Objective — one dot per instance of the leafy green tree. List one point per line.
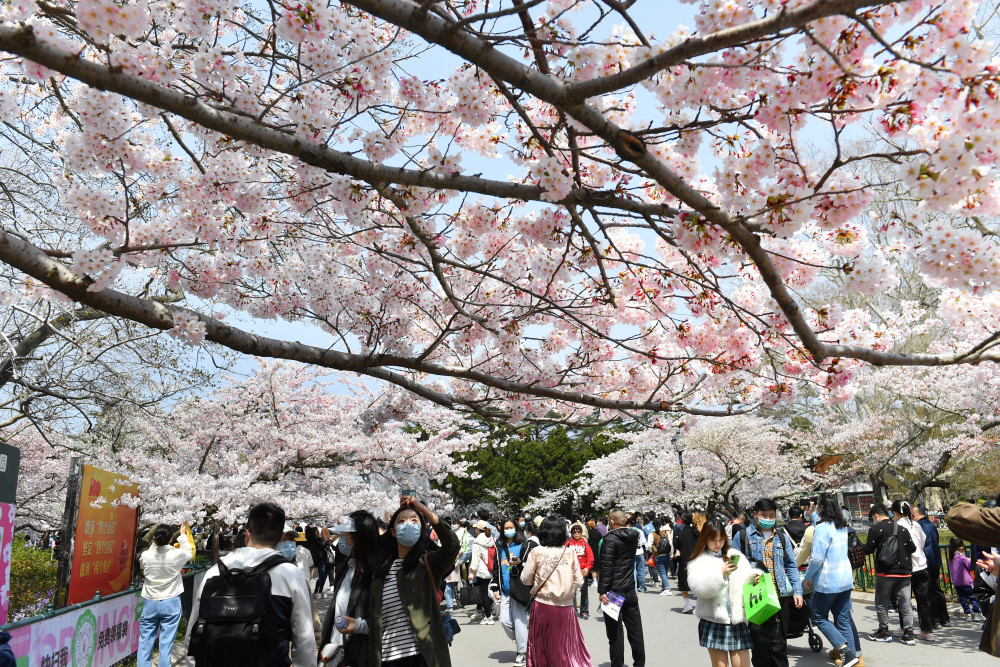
(517, 463)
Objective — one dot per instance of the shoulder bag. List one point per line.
(535, 591)
(520, 593)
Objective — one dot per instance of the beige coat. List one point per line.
(566, 577)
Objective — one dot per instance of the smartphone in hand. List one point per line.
(734, 559)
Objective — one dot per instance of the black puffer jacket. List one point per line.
(618, 562)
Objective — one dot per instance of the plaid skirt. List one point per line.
(724, 637)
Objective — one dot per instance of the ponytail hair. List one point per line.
(161, 536)
(901, 508)
(954, 546)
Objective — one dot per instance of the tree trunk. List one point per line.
(877, 486)
(931, 477)
(215, 541)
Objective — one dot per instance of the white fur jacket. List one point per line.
(705, 579)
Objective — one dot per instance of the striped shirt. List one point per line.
(397, 632)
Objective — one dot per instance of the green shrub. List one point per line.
(32, 580)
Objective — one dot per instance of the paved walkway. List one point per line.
(671, 638)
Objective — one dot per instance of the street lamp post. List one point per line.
(679, 445)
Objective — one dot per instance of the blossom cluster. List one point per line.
(420, 234)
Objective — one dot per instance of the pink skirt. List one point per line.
(555, 639)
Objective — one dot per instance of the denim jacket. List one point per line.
(784, 558)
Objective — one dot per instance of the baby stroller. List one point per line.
(800, 623)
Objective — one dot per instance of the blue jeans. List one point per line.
(449, 594)
(158, 617)
(640, 573)
(839, 631)
(321, 578)
(662, 565)
(967, 599)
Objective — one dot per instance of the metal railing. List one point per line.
(188, 575)
(52, 613)
(864, 577)
(188, 578)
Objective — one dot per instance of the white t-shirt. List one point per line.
(303, 560)
(340, 604)
(161, 566)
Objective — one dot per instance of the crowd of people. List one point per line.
(395, 583)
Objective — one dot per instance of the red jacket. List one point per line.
(583, 553)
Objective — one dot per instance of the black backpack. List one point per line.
(855, 549)
(236, 624)
(888, 553)
(664, 546)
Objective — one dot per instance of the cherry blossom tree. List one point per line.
(728, 463)
(551, 500)
(41, 488)
(283, 435)
(663, 204)
(907, 432)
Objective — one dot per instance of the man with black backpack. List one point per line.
(253, 605)
(893, 567)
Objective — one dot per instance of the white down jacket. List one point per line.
(478, 563)
(706, 581)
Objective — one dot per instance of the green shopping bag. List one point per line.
(760, 600)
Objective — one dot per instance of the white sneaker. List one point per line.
(665, 592)
(520, 660)
(487, 620)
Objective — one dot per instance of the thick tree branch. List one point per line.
(931, 478)
(713, 43)
(34, 262)
(22, 41)
(630, 148)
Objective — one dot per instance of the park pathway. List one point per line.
(672, 639)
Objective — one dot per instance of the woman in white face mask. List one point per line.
(347, 643)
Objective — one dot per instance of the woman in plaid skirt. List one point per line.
(718, 583)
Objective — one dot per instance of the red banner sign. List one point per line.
(104, 542)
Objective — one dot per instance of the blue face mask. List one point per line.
(344, 547)
(891, 515)
(408, 534)
(509, 533)
(766, 524)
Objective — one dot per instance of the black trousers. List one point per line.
(486, 599)
(412, 661)
(939, 603)
(585, 596)
(632, 622)
(920, 581)
(770, 648)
